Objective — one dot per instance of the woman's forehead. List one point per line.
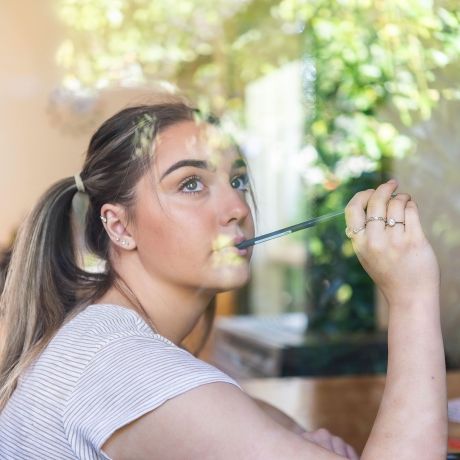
(193, 140)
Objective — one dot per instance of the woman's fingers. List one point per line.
(413, 225)
(355, 213)
(339, 446)
(396, 213)
(376, 214)
(392, 247)
(325, 439)
(351, 453)
(372, 211)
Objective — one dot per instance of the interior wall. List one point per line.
(33, 152)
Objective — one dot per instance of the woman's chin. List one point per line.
(231, 277)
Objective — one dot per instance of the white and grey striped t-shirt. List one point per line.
(103, 369)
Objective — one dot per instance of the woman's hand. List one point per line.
(388, 239)
(321, 437)
(324, 438)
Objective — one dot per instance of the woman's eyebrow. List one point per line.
(239, 163)
(183, 163)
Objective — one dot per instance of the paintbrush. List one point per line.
(287, 230)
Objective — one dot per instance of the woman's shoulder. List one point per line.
(118, 336)
(98, 325)
(95, 336)
(102, 320)
(107, 337)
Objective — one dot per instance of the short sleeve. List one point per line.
(127, 378)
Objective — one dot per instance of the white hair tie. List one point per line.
(79, 183)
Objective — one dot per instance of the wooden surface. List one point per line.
(346, 406)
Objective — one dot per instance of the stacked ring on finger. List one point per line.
(353, 231)
(392, 222)
(376, 218)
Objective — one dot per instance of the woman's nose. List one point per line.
(233, 206)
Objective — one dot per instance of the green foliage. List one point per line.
(369, 58)
(365, 58)
(210, 48)
(369, 61)
(340, 291)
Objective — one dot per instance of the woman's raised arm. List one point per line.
(412, 420)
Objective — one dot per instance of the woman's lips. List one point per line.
(228, 243)
(238, 240)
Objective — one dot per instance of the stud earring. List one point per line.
(104, 219)
(117, 239)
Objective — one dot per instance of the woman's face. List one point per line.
(191, 210)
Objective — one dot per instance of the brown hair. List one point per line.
(45, 283)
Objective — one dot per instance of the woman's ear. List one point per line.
(115, 222)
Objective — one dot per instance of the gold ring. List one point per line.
(375, 218)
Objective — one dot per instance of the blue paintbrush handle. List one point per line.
(287, 230)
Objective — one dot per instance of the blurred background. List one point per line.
(326, 97)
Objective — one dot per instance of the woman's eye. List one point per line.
(192, 185)
(240, 182)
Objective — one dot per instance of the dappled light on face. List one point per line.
(218, 143)
(191, 145)
(227, 258)
(225, 255)
(218, 139)
(222, 241)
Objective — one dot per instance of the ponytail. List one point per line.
(43, 284)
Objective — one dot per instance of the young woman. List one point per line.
(91, 364)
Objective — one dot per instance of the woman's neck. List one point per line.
(171, 311)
